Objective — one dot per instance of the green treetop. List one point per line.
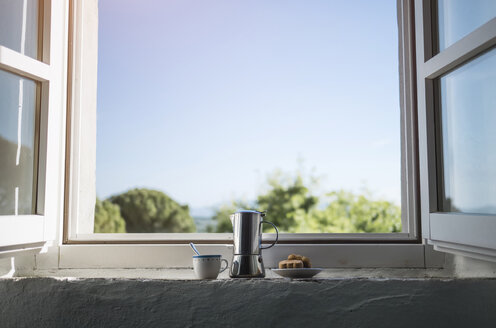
(108, 218)
(293, 208)
(347, 212)
(146, 210)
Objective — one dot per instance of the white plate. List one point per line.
(298, 273)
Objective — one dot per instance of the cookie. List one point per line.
(304, 259)
(294, 257)
(306, 262)
(290, 264)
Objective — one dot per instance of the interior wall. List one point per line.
(48, 302)
(467, 267)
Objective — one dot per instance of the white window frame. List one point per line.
(472, 235)
(80, 248)
(30, 232)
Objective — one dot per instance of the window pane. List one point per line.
(290, 107)
(19, 26)
(468, 116)
(457, 18)
(17, 144)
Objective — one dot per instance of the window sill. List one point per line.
(156, 256)
(187, 274)
(244, 303)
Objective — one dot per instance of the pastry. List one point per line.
(295, 257)
(306, 262)
(290, 264)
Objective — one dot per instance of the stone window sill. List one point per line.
(188, 274)
(149, 300)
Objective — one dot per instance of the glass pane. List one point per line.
(457, 18)
(19, 26)
(290, 107)
(468, 115)
(17, 144)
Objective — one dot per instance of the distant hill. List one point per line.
(202, 222)
(202, 211)
(202, 217)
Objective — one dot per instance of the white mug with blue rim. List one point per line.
(208, 266)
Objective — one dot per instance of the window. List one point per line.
(83, 248)
(453, 68)
(31, 109)
(457, 79)
(231, 95)
(302, 76)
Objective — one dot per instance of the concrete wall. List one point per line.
(47, 302)
(466, 267)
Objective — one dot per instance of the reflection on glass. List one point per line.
(468, 116)
(17, 144)
(19, 26)
(457, 18)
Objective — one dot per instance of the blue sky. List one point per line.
(203, 99)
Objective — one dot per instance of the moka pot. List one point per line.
(247, 239)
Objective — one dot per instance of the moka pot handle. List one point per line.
(277, 234)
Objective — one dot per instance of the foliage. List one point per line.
(146, 210)
(347, 212)
(108, 218)
(286, 202)
(293, 208)
(221, 217)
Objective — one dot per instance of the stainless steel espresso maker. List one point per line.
(247, 254)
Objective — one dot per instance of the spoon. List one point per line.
(194, 248)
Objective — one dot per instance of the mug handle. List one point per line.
(277, 235)
(227, 264)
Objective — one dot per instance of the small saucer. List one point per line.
(297, 273)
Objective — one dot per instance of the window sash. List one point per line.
(79, 216)
(28, 232)
(226, 238)
(21, 229)
(25, 229)
(453, 227)
(460, 233)
(19, 64)
(460, 52)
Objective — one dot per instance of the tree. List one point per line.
(108, 218)
(146, 210)
(291, 205)
(221, 217)
(347, 212)
(287, 201)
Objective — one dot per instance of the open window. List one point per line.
(446, 68)
(31, 111)
(398, 247)
(162, 125)
(456, 70)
